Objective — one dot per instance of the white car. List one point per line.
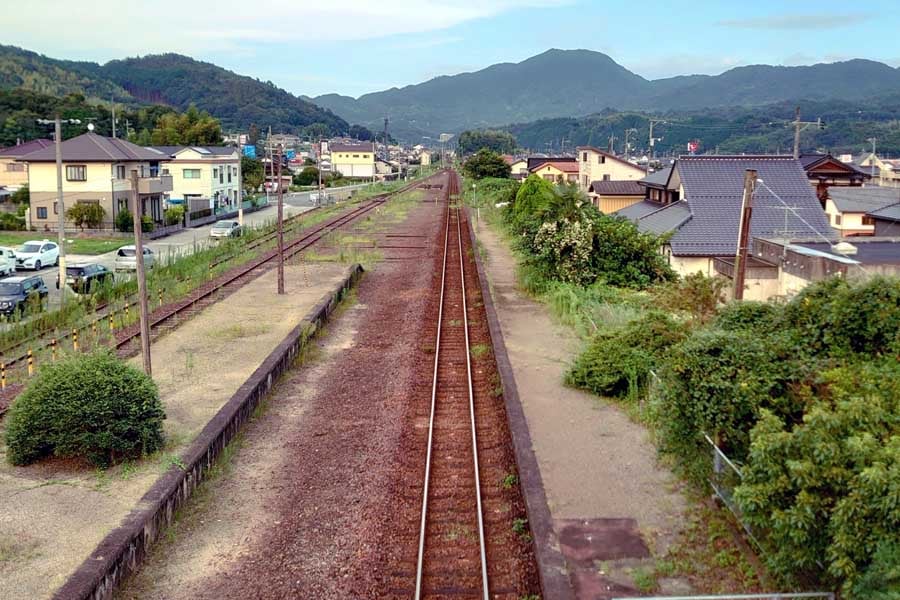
(7, 261)
(37, 254)
(126, 259)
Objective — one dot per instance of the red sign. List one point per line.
(693, 146)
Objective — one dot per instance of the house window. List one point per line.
(602, 159)
(606, 177)
(837, 219)
(56, 208)
(192, 173)
(120, 171)
(76, 173)
(88, 202)
(215, 172)
(866, 220)
(229, 175)
(356, 156)
(584, 157)
(41, 212)
(15, 167)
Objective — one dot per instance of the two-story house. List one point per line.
(555, 170)
(598, 165)
(202, 175)
(848, 208)
(13, 172)
(95, 170)
(353, 160)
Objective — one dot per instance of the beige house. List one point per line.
(96, 170)
(847, 208)
(610, 196)
(202, 175)
(13, 172)
(556, 170)
(598, 165)
(885, 172)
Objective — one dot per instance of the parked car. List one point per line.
(7, 261)
(126, 258)
(86, 277)
(37, 254)
(224, 229)
(22, 292)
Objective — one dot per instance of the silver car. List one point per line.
(223, 229)
(126, 258)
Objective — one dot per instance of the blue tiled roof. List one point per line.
(713, 189)
(637, 210)
(665, 219)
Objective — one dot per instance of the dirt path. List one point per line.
(609, 497)
(54, 514)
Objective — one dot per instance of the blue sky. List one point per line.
(357, 46)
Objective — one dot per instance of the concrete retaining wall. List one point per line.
(122, 551)
(552, 569)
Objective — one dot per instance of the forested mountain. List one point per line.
(573, 83)
(758, 129)
(170, 79)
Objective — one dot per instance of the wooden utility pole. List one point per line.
(142, 280)
(740, 260)
(280, 227)
(800, 126)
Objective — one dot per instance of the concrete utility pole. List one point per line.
(142, 280)
(800, 126)
(612, 144)
(240, 187)
(628, 133)
(60, 211)
(653, 140)
(740, 260)
(113, 117)
(872, 160)
(280, 228)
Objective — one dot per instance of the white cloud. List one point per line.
(112, 28)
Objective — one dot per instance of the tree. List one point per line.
(472, 141)
(21, 196)
(316, 130)
(486, 163)
(252, 172)
(252, 134)
(194, 127)
(308, 176)
(86, 214)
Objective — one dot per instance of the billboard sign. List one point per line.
(249, 151)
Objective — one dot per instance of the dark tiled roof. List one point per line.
(666, 219)
(887, 213)
(534, 161)
(638, 210)
(171, 151)
(811, 161)
(862, 199)
(26, 148)
(367, 147)
(713, 188)
(90, 147)
(868, 251)
(657, 178)
(617, 188)
(561, 165)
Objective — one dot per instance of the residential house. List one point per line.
(518, 169)
(202, 176)
(825, 171)
(598, 165)
(887, 221)
(13, 172)
(353, 160)
(555, 170)
(883, 171)
(96, 170)
(610, 196)
(848, 208)
(704, 219)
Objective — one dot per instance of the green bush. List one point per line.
(696, 295)
(91, 406)
(619, 362)
(759, 317)
(174, 215)
(825, 489)
(125, 220)
(717, 382)
(85, 214)
(147, 224)
(11, 222)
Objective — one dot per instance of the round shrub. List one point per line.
(91, 406)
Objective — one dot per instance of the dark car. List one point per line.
(84, 278)
(21, 293)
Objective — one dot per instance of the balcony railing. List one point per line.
(146, 185)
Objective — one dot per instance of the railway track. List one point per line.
(167, 317)
(452, 559)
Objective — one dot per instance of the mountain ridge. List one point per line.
(574, 83)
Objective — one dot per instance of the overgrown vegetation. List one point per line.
(91, 406)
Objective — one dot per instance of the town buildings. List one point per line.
(96, 170)
(353, 160)
(202, 176)
(13, 172)
(598, 165)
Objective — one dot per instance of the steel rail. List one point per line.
(434, 389)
